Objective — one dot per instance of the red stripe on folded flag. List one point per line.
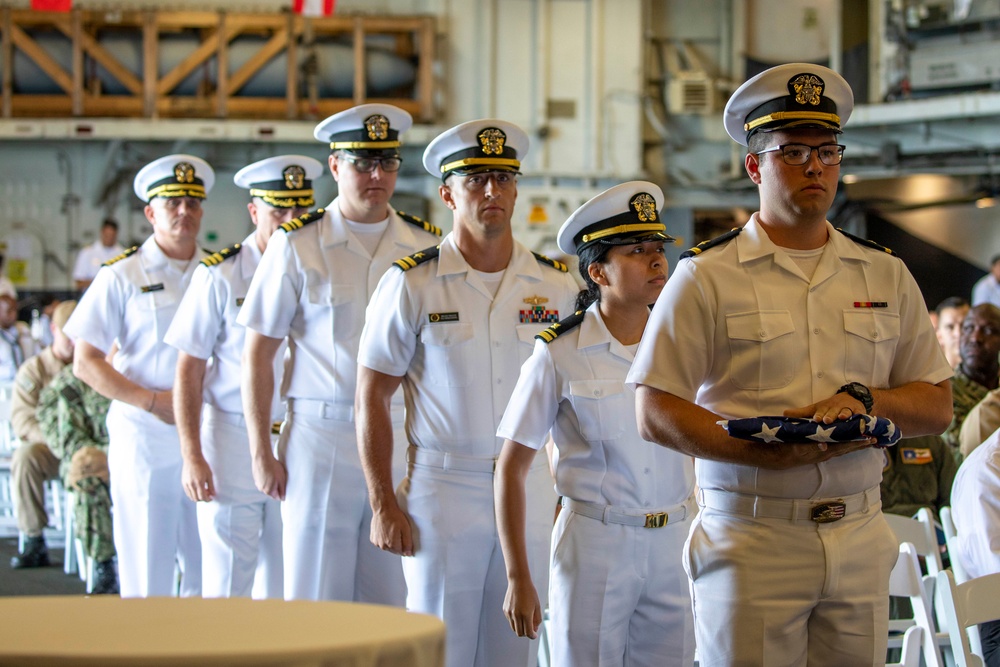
(313, 7)
(52, 5)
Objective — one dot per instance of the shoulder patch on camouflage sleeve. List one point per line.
(417, 258)
(217, 258)
(867, 243)
(302, 220)
(25, 382)
(558, 266)
(117, 258)
(70, 394)
(711, 243)
(419, 222)
(561, 327)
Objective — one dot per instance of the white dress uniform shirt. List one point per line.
(132, 303)
(575, 387)
(740, 330)
(241, 525)
(92, 257)
(458, 349)
(762, 336)
(313, 285)
(975, 503)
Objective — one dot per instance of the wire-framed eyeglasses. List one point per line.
(366, 165)
(798, 154)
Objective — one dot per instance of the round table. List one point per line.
(60, 630)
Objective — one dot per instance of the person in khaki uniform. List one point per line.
(73, 417)
(33, 461)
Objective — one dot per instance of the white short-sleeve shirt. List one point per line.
(312, 286)
(205, 327)
(575, 387)
(92, 257)
(975, 504)
(740, 331)
(131, 303)
(457, 347)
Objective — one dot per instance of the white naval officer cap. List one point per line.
(478, 145)
(283, 181)
(177, 175)
(369, 130)
(625, 214)
(796, 95)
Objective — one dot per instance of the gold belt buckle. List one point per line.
(276, 428)
(657, 520)
(828, 512)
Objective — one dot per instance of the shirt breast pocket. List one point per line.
(448, 353)
(762, 349)
(332, 303)
(871, 341)
(601, 407)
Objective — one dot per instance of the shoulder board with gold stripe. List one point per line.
(420, 222)
(302, 220)
(217, 258)
(128, 253)
(561, 327)
(866, 242)
(558, 266)
(711, 243)
(417, 258)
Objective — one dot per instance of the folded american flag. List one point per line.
(797, 430)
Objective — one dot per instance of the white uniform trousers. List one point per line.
(619, 594)
(327, 519)
(154, 522)
(457, 571)
(790, 591)
(240, 528)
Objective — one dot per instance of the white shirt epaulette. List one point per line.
(419, 222)
(561, 327)
(557, 265)
(417, 258)
(218, 257)
(128, 253)
(302, 220)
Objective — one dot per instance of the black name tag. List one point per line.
(443, 317)
(158, 287)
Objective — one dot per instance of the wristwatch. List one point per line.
(860, 392)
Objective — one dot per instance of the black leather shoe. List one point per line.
(105, 579)
(35, 554)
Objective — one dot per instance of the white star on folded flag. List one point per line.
(768, 434)
(822, 434)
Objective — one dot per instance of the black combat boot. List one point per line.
(35, 554)
(105, 578)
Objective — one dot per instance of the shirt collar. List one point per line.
(594, 332)
(754, 243)
(451, 261)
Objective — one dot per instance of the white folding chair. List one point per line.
(951, 539)
(906, 581)
(965, 606)
(921, 533)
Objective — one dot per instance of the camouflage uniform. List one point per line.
(966, 393)
(918, 473)
(72, 417)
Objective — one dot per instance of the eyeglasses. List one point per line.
(477, 182)
(366, 165)
(798, 154)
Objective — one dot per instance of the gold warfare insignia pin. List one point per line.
(808, 89)
(492, 140)
(377, 126)
(535, 300)
(184, 172)
(295, 177)
(644, 206)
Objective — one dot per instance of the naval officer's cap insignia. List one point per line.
(807, 88)
(645, 207)
(295, 176)
(377, 126)
(492, 140)
(184, 172)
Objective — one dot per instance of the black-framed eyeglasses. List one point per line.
(366, 165)
(798, 154)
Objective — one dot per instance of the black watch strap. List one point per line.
(860, 392)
